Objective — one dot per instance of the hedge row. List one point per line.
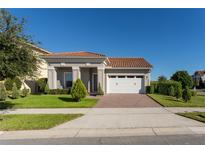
(58, 91)
(163, 87)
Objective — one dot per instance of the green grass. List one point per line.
(50, 101)
(168, 101)
(33, 121)
(199, 116)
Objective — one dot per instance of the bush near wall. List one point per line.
(9, 83)
(58, 91)
(41, 84)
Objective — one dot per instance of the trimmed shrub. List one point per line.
(178, 93)
(193, 93)
(58, 91)
(186, 94)
(24, 92)
(100, 91)
(15, 92)
(171, 91)
(9, 83)
(46, 90)
(78, 90)
(3, 94)
(41, 84)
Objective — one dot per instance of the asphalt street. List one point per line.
(140, 140)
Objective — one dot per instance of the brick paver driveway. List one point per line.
(125, 101)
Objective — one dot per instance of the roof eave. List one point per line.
(63, 57)
(110, 67)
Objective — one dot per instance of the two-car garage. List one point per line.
(125, 84)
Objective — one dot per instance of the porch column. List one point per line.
(101, 77)
(76, 73)
(52, 77)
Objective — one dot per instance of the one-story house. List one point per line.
(114, 75)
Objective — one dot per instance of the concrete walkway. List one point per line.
(111, 122)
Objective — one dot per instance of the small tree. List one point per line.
(178, 93)
(15, 92)
(186, 94)
(183, 77)
(78, 90)
(162, 78)
(16, 52)
(3, 94)
(100, 91)
(171, 91)
(25, 92)
(46, 90)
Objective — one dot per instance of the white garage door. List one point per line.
(124, 84)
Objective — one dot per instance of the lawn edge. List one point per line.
(182, 114)
(156, 100)
(78, 115)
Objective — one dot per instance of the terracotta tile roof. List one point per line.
(77, 54)
(201, 73)
(129, 62)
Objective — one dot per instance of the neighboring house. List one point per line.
(115, 75)
(200, 75)
(42, 72)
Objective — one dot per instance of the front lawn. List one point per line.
(50, 101)
(199, 116)
(168, 101)
(33, 121)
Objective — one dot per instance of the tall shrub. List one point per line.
(3, 94)
(186, 94)
(9, 83)
(155, 85)
(24, 92)
(171, 91)
(15, 92)
(178, 93)
(46, 90)
(78, 90)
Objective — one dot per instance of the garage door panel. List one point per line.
(125, 85)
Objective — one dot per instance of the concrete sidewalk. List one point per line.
(76, 133)
(111, 122)
(147, 110)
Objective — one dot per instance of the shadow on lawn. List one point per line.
(66, 99)
(6, 105)
(172, 99)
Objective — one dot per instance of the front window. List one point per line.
(68, 79)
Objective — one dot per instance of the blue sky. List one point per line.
(170, 39)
